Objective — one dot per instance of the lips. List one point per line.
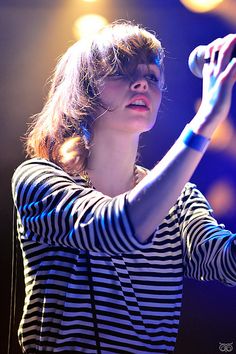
(139, 101)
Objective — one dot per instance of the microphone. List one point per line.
(197, 59)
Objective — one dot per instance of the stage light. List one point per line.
(201, 5)
(223, 136)
(227, 11)
(87, 25)
(89, 0)
(221, 196)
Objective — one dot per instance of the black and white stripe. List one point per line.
(81, 260)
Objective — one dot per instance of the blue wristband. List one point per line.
(193, 140)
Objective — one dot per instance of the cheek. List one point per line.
(113, 91)
(157, 97)
(158, 105)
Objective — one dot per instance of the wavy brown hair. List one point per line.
(62, 131)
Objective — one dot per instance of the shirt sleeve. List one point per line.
(55, 210)
(209, 249)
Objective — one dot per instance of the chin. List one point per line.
(143, 126)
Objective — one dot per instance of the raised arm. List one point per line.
(151, 199)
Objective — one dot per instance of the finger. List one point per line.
(211, 48)
(229, 74)
(211, 53)
(215, 50)
(225, 53)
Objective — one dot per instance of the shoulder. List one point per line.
(38, 169)
(192, 198)
(36, 163)
(35, 166)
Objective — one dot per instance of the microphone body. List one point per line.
(197, 59)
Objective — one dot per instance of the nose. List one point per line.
(139, 85)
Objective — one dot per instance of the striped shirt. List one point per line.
(90, 286)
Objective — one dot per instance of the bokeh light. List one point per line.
(221, 196)
(87, 25)
(201, 5)
(223, 136)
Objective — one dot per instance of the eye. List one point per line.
(117, 74)
(153, 77)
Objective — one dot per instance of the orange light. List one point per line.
(221, 197)
(87, 25)
(201, 5)
(223, 136)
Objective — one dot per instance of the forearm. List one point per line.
(150, 201)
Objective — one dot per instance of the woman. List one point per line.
(105, 242)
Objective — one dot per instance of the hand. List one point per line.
(219, 77)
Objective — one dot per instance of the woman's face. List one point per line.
(132, 100)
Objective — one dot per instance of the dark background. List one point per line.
(33, 33)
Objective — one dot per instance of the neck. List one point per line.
(111, 162)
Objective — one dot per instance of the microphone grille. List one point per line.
(196, 60)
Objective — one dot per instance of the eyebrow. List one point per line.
(151, 68)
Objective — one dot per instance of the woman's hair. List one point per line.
(62, 131)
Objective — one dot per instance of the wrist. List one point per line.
(205, 122)
(193, 140)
